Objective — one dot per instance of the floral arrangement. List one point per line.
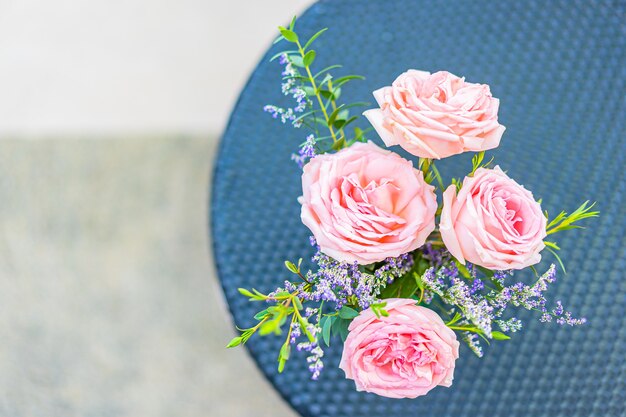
(398, 276)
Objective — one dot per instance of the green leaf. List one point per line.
(558, 258)
(327, 324)
(308, 58)
(331, 67)
(292, 24)
(437, 175)
(261, 314)
(340, 327)
(358, 104)
(282, 294)
(552, 245)
(422, 266)
(566, 221)
(334, 95)
(333, 115)
(317, 35)
(310, 91)
(326, 79)
(348, 313)
(245, 292)
(328, 95)
(271, 326)
(343, 114)
(289, 35)
(340, 123)
(499, 336)
(291, 267)
(283, 355)
(285, 351)
(256, 296)
(379, 309)
(303, 326)
(297, 61)
(358, 133)
(277, 55)
(462, 269)
(342, 80)
(403, 287)
(339, 144)
(235, 342)
(419, 282)
(297, 303)
(457, 317)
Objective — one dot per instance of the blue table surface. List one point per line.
(558, 68)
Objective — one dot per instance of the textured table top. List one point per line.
(558, 69)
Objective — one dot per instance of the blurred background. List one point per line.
(110, 114)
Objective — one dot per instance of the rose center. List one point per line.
(370, 205)
(507, 207)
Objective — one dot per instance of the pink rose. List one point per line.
(404, 355)
(436, 115)
(365, 204)
(493, 222)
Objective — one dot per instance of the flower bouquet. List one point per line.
(398, 276)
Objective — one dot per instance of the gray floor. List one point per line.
(109, 305)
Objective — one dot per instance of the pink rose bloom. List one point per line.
(366, 204)
(436, 115)
(404, 355)
(493, 222)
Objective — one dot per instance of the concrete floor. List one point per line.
(109, 304)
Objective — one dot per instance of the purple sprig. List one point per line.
(483, 307)
(291, 86)
(454, 290)
(316, 353)
(342, 283)
(394, 268)
(306, 152)
(435, 257)
(531, 297)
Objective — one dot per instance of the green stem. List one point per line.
(334, 105)
(463, 328)
(424, 164)
(421, 296)
(317, 94)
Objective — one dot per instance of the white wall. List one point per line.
(94, 67)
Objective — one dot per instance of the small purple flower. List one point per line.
(306, 152)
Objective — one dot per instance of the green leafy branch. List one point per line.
(325, 91)
(478, 162)
(564, 221)
(272, 319)
(495, 335)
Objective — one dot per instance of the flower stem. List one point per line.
(317, 94)
(424, 165)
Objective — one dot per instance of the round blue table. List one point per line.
(558, 68)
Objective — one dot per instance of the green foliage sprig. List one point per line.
(324, 89)
(564, 221)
